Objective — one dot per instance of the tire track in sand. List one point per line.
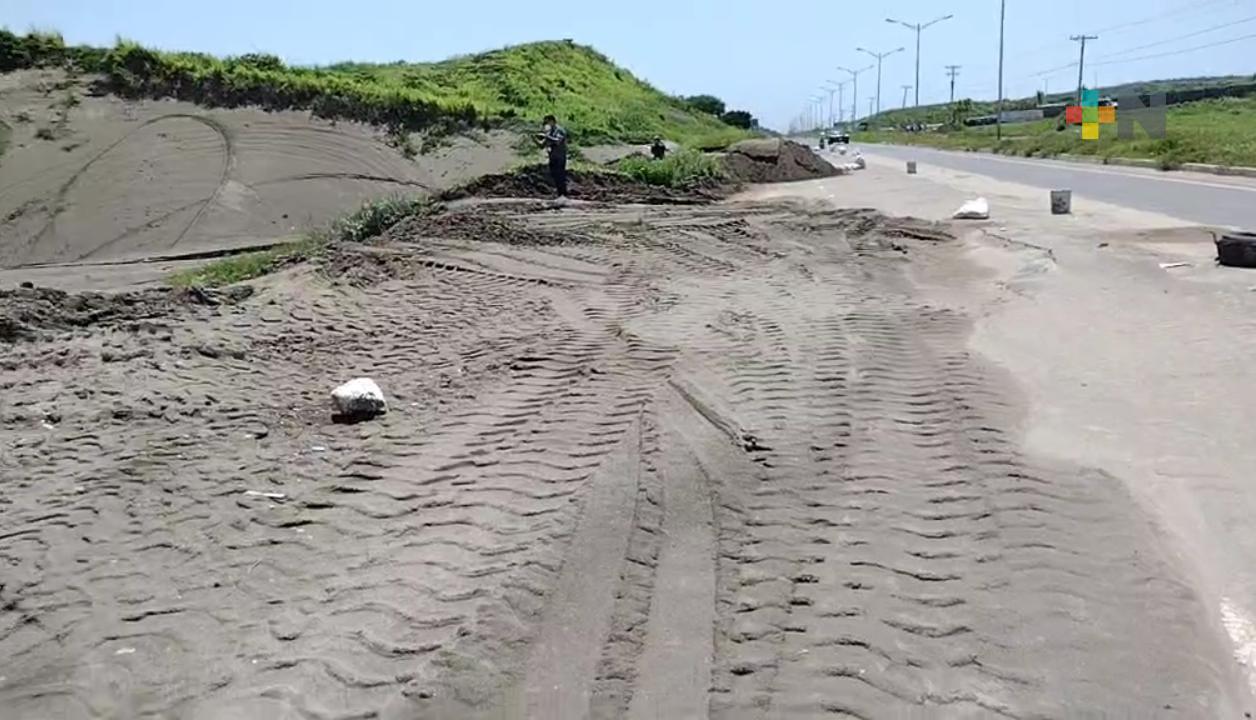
(878, 545)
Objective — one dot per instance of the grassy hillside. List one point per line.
(1221, 132)
(941, 112)
(596, 100)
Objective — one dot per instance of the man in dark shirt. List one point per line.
(658, 149)
(554, 138)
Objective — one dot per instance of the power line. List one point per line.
(1182, 9)
(1197, 33)
(1178, 52)
(1186, 8)
(1051, 71)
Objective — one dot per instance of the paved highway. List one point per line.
(1196, 197)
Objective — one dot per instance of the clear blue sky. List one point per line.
(756, 55)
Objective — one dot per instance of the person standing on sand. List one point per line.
(554, 138)
(658, 149)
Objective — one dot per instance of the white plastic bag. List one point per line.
(977, 209)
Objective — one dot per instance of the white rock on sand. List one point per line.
(359, 397)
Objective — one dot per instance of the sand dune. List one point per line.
(125, 179)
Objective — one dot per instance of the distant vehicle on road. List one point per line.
(838, 137)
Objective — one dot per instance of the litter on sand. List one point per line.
(1166, 266)
(977, 209)
(270, 495)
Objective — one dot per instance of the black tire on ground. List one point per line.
(1237, 249)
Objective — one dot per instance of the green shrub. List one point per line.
(375, 218)
(680, 169)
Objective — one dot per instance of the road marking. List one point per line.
(1059, 165)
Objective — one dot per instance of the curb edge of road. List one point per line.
(1205, 168)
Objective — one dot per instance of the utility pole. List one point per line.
(952, 70)
(998, 113)
(870, 99)
(854, 98)
(918, 27)
(1081, 63)
(905, 89)
(879, 57)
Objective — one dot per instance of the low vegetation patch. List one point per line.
(368, 222)
(595, 99)
(245, 266)
(686, 168)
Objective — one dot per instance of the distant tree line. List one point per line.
(712, 105)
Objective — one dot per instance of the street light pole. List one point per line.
(829, 87)
(998, 113)
(854, 102)
(918, 27)
(905, 89)
(879, 57)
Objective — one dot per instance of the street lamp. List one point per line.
(854, 103)
(840, 87)
(918, 27)
(879, 57)
(998, 113)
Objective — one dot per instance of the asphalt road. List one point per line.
(1195, 197)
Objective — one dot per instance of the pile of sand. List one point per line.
(772, 160)
(534, 182)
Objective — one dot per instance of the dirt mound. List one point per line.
(533, 181)
(27, 313)
(394, 254)
(473, 225)
(774, 160)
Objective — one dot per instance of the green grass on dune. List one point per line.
(1220, 132)
(244, 266)
(595, 99)
(679, 169)
(366, 223)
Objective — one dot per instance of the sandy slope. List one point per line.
(126, 179)
(644, 462)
